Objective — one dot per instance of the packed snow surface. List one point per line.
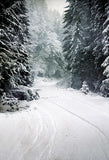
(63, 124)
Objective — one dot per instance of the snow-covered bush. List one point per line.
(105, 88)
(85, 88)
(8, 103)
(11, 101)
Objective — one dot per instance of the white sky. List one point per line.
(56, 5)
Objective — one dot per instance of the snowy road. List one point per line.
(63, 124)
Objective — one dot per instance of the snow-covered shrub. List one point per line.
(11, 101)
(105, 88)
(24, 93)
(8, 103)
(85, 88)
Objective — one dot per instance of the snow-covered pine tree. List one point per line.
(83, 41)
(14, 60)
(105, 64)
(97, 19)
(72, 35)
(85, 88)
(45, 42)
(77, 46)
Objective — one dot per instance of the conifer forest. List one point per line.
(54, 79)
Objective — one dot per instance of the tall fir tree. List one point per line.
(83, 41)
(105, 64)
(45, 44)
(97, 20)
(76, 42)
(15, 68)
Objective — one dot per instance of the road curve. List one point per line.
(63, 124)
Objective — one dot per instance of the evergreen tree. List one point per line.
(45, 44)
(85, 88)
(97, 20)
(83, 41)
(77, 42)
(14, 61)
(105, 64)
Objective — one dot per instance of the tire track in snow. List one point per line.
(37, 128)
(44, 137)
(89, 105)
(101, 133)
(40, 129)
(52, 138)
(95, 126)
(83, 119)
(104, 138)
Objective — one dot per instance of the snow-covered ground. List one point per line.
(63, 124)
